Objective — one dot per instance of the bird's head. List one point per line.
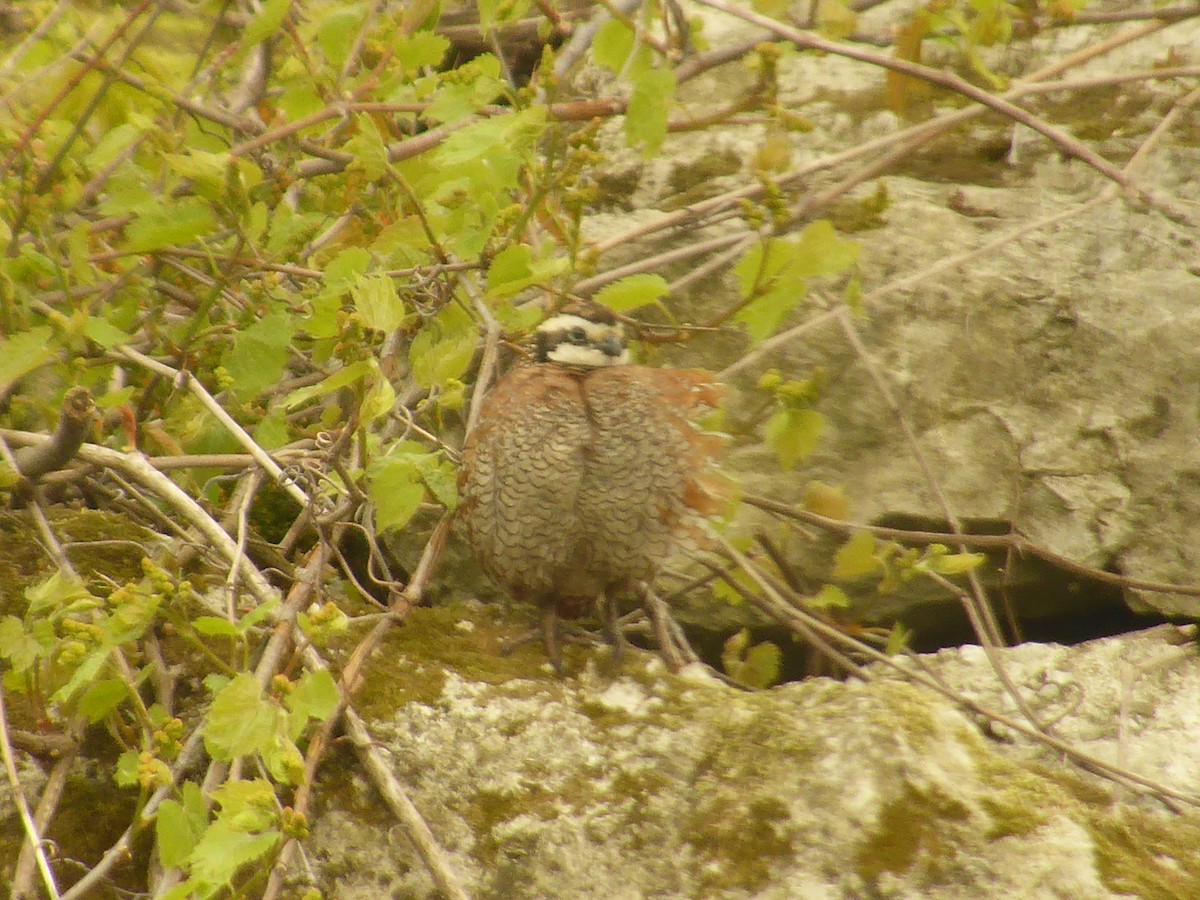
(586, 336)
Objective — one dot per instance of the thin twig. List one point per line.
(184, 378)
(32, 834)
(772, 601)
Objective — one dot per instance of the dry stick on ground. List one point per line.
(979, 609)
(390, 789)
(1014, 542)
(178, 376)
(32, 832)
(136, 466)
(22, 881)
(780, 605)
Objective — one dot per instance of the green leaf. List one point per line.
(272, 430)
(856, 557)
(265, 23)
(825, 500)
(776, 9)
(835, 19)
(830, 596)
(176, 833)
(206, 171)
(344, 269)
(773, 274)
(512, 270)
(418, 50)
(898, 641)
(489, 152)
(378, 302)
(368, 147)
(336, 30)
(222, 850)
(17, 645)
(475, 85)
(261, 613)
(378, 399)
(54, 594)
(510, 266)
(188, 890)
(255, 221)
(444, 347)
(793, 434)
(340, 273)
(102, 697)
(820, 250)
(761, 667)
(955, 563)
(612, 45)
(249, 805)
(395, 488)
(257, 357)
(342, 378)
(129, 620)
(632, 292)
(23, 353)
(173, 224)
(214, 626)
(84, 674)
(240, 721)
(756, 667)
(126, 773)
(771, 285)
(104, 333)
(441, 479)
(315, 696)
(646, 116)
(282, 758)
(110, 146)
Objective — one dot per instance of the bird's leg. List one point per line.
(550, 636)
(612, 629)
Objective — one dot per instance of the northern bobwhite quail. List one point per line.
(584, 472)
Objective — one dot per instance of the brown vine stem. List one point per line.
(39, 31)
(71, 83)
(698, 213)
(1166, 14)
(808, 41)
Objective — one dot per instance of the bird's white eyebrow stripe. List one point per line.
(570, 320)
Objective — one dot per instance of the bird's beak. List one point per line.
(612, 345)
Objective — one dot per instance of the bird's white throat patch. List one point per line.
(590, 356)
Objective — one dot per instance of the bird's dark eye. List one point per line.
(577, 335)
